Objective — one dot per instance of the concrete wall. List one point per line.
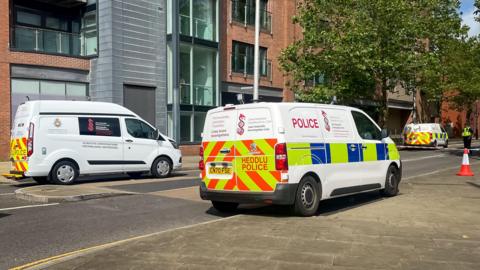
(132, 50)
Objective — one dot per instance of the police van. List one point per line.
(56, 141)
(427, 134)
(293, 154)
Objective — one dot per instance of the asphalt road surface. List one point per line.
(32, 231)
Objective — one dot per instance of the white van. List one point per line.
(293, 154)
(56, 141)
(427, 134)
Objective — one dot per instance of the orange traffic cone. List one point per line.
(465, 169)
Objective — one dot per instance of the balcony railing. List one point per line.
(245, 14)
(201, 28)
(243, 64)
(49, 41)
(198, 95)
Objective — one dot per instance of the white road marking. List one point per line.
(5, 194)
(434, 172)
(28, 206)
(427, 157)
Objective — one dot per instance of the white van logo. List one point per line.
(57, 123)
(325, 119)
(241, 124)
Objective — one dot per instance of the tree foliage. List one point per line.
(365, 48)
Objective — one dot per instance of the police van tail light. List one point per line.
(431, 136)
(201, 164)
(30, 139)
(281, 159)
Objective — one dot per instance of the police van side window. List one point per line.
(139, 129)
(366, 128)
(99, 126)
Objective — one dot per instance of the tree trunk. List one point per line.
(383, 111)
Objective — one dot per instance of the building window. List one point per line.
(27, 89)
(40, 31)
(243, 58)
(243, 11)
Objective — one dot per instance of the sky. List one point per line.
(468, 18)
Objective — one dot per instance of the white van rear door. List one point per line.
(18, 139)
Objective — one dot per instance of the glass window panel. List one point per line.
(25, 87)
(51, 22)
(185, 17)
(204, 75)
(28, 39)
(170, 124)
(185, 127)
(51, 42)
(52, 88)
(204, 19)
(185, 89)
(199, 121)
(76, 89)
(29, 18)
(139, 129)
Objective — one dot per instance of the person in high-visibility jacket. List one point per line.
(467, 136)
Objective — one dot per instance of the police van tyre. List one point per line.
(307, 197)
(392, 181)
(225, 207)
(162, 167)
(43, 180)
(64, 173)
(446, 144)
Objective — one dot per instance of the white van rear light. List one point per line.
(201, 164)
(31, 130)
(281, 159)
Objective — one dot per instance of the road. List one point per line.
(32, 231)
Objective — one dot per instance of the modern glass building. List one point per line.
(197, 55)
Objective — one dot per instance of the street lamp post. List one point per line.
(256, 56)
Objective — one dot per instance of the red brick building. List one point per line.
(23, 61)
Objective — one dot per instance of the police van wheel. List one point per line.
(162, 167)
(41, 180)
(225, 207)
(391, 182)
(64, 173)
(446, 144)
(307, 197)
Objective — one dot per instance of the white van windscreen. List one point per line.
(255, 123)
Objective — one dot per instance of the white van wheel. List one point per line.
(162, 167)
(64, 173)
(307, 197)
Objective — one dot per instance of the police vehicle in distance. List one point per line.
(426, 134)
(56, 141)
(293, 154)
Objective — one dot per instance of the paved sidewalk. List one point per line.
(433, 224)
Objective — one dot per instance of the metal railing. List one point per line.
(201, 28)
(48, 41)
(245, 13)
(243, 64)
(198, 95)
(185, 25)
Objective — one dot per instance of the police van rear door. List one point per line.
(255, 150)
(219, 149)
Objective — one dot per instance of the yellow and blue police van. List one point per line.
(293, 154)
(426, 134)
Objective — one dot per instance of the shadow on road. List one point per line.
(326, 208)
(4, 215)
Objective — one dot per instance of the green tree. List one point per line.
(477, 11)
(364, 49)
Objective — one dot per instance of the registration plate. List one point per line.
(220, 170)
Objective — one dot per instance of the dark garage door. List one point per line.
(141, 100)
